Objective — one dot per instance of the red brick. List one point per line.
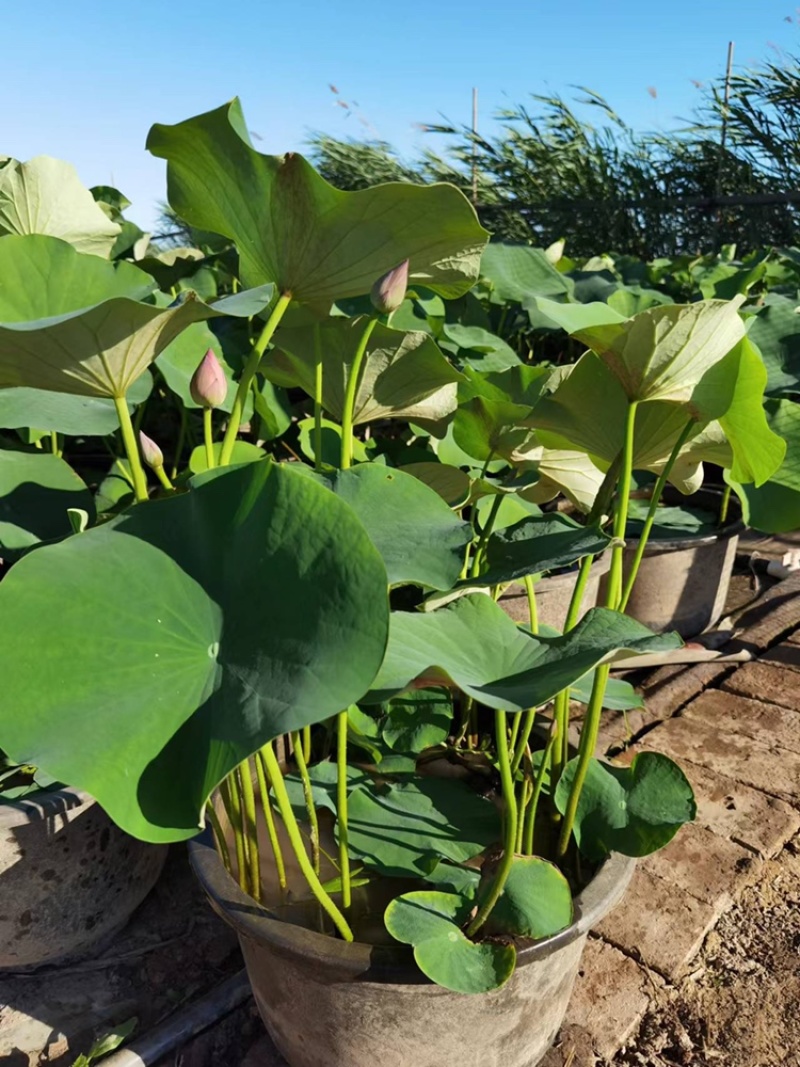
(728, 713)
(611, 995)
(659, 924)
(773, 770)
(768, 682)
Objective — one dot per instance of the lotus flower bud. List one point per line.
(209, 386)
(151, 453)
(389, 292)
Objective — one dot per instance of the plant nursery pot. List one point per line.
(554, 594)
(69, 878)
(327, 1003)
(683, 582)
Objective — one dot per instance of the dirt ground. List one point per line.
(740, 1005)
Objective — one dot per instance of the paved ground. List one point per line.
(659, 958)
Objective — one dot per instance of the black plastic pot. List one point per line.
(327, 1003)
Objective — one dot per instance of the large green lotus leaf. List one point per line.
(479, 348)
(404, 375)
(183, 635)
(575, 317)
(418, 721)
(536, 544)
(44, 278)
(588, 408)
(417, 535)
(431, 921)
(402, 829)
(757, 451)
(560, 470)
(536, 900)
(633, 810)
(775, 330)
(36, 489)
(775, 506)
(46, 196)
(66, 413)
(518, 273)
(294, 229)
(472, 644)
(663, 353)
(485, 429)
(78, 333)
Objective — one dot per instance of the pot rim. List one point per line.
(708, 495)
(386, 963)
(42, 804)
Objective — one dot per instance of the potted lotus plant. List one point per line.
(291, 659)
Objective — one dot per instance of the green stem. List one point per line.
(317, 397)
(341, 804)
(512, 742)
(621, 510)
(131, 448)
(526, 791)
(308, 796)
(510, 826)
(230, 798)
(161, 474)
(208, 438)
(269, 819)
(54, 446)
(296, 840)
(350, 394)
(249, 372)
(561, 704)
(530, 813)
(250, 829)
(522, 741)
(576, 599)
(533, 615)
(651, 514)
(486, 533)
(219, 836)
(724, 504)
(589, 732)
(307, 743)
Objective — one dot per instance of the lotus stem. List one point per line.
(250, 829)
(621, 510)
(219, 836)
(651, 513)
(523, 739)
(55, 448)
(724, 504)
(350, 394)
(208, 438)
(249, 372)
(589, 732)
(131, 448)
(318, 381)
(180, 443)
(480, 548)
(269, 818)
(531, 810)
(533, 615)
(296, 840)
(308, 796)
(510, 826)
(561, 704)
(230, 798)
(341, 805)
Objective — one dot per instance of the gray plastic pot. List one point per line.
(554, 595)
(69, 878)
(683, 583)
(327, 1003)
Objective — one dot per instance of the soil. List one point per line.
(740, 1006)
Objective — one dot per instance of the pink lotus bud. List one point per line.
(151, 453)
(389, 292)
(209, 386)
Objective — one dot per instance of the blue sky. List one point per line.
(84, 81)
